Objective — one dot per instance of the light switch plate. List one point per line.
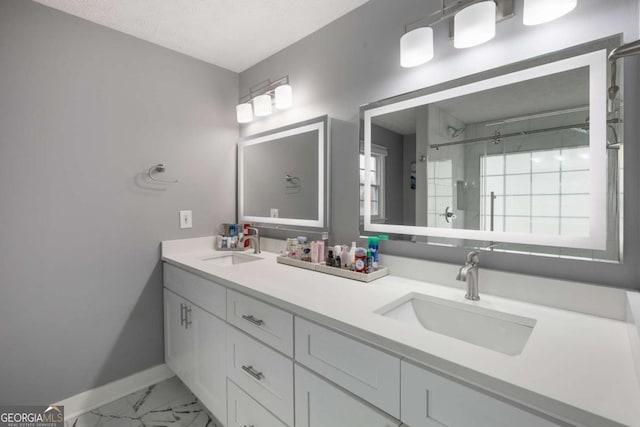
(186, 219)
(274, 213)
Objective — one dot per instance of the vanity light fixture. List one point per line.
(471, 22)
(262, 97)
(475, 24)
(244, 112)
(262, 105)
(541, 11)
(416, 47)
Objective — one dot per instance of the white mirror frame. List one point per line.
(322, 128)
(597, 63)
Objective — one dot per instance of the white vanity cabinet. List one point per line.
(320, 404)
(195, 350)
(262, 366)
(430, 400)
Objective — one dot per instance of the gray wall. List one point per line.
(84, 111)
(355, 60)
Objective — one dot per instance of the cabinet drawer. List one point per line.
(244, 411)
(320, 404)
(202, 292)
(265, 322)
(368, 373)
(263, 373)
(430, 400)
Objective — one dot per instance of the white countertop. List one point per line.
(575, 366)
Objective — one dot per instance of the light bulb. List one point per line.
(284, 97)
(244, 113)
(416, 47)
(262, 105)
(475, 24)
(541, 11)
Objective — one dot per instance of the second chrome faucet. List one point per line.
(469, 273)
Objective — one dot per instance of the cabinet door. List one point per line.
(209, 374)
(430, 400)
(320, 404)
(178, 341)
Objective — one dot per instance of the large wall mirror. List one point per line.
(526, 156)
(282, 176)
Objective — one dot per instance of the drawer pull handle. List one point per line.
(255, 374)
(251, 319)
(182, 314)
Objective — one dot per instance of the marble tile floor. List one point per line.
(166, 404)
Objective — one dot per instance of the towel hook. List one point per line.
(159, 168)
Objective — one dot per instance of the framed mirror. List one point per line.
(521, 155)
(283, 176)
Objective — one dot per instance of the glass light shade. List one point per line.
(541, 11)
(416, 47)
(475, 24)
(262, 105)
(284, 97)
(244, 113)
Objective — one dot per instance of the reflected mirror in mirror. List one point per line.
(282, 176)
(520, 158)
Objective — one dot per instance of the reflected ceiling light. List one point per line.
(542, 11)
(244, 112)
(475, 24)
(263, 96)
(284, 97)
(416, 47)
(262, 105)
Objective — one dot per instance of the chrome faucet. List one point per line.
(254, 239)
(469, 273)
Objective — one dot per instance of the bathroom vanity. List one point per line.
(265, 344)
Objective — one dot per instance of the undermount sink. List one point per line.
(502, 332)
(231, 259)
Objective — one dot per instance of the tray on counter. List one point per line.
(340, 272)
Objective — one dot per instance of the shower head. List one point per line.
(455, 132)
(628, 49)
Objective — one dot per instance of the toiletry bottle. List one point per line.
(314, 252)
(373, 245)
(360, 264)
(321, 249)
(329, 261)
(352, 255)
(344, 258)
(369, 262)
(325, 241)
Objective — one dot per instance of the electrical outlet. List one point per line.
(274, 213)
(186, 219)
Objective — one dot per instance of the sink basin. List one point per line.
(502, 332)
(231, 259)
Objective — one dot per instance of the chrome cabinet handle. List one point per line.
(187, 317)
(182, 313)
(255, 374)
(252, 319)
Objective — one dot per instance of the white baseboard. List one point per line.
(96, 397)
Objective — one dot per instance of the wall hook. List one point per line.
(159, 168)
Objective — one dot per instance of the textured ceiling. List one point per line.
(234, 34)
